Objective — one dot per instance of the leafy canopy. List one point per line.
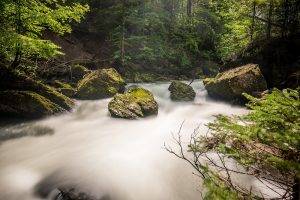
(24, 22)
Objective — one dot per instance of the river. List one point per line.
(120, 159)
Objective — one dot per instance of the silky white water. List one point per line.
(120, 159)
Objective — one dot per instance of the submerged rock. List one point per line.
(74, 194)
(231, 84)
(137, 102)
(26, 104)
(181, 91)
(100, 84)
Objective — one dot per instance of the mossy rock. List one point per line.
(135, 103)
(231, 84)
(64, 88)
(99, 84)
(26, 104)
(13, 80)
(181, 91)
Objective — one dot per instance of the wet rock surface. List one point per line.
(100, 84)
(230, 85)
(181, 91)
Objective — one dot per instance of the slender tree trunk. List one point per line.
(253, 21)
(18, 52)
(189, 8)
(270, 15)
(285, 18)
(123, 35)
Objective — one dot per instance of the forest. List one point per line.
(149, 99)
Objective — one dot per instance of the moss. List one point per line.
(100, 84)
(59, 84)
(137, 102)
(26, 104)
(64, 88)
(12, 80)
(56, 97)
(181, 91)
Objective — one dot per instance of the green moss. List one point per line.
(100, 84)
(11, 80)
(64, 88)
(140, 93)
(26, 104)
(56, 97)
(59, 84)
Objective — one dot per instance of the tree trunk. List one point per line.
(123, 35)
(18, 48)
(269, 24)
(285, 18)
(189, 8)
(253, 21)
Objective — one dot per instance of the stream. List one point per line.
(106, 157)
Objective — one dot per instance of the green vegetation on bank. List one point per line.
(265, 142)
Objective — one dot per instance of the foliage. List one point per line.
(24, 22)
(245, 21)
(265, 142)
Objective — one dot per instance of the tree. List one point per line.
(264, 144)
(23, 24)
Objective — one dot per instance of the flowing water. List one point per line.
(120, 159)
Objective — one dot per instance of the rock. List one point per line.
(13, 80)
(26, 104)
(100, 84)
(74, 194)
(181, 91)
(231, 84)
(64, 88)
(137, 102)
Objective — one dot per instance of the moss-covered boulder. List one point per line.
(13, 80)
(99, 84)
(231, 84)
(26, 104)
(64, 88)
(135, 103)
(181, 91)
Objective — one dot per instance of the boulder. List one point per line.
(181, 91)
(135, 103)
(99, 84)
(15, 81)
(231, 84)
(26, 104)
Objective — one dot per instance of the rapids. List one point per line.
(121, 159)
